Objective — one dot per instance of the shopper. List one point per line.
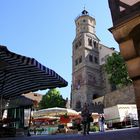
(85, 115)
(101, 122)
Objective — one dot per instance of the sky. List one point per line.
(45, 30)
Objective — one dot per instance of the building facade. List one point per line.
(35, 97)
(88, 56)
(126, 31)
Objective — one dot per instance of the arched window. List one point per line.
(89, 41)
(80, 59)
(76, 46)
(96, 60)
(95, 44)
(90, 58)
(76, 62)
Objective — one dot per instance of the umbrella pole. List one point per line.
(1, 107)
(28, 134)
(1, 111)
(1, 99)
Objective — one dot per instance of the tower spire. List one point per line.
(84, 12)
(84, 6)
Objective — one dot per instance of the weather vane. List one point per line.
(84, 7)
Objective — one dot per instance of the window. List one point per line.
(84, 20)
(76, 46)
(80, 59)
(91, 79)
(96, 60)
(90, 58)
(95, 44)
(76, 62)
(89, 41)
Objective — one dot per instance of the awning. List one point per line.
(20, 74)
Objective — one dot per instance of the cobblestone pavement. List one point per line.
(124, 134)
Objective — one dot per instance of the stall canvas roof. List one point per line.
(20, 74)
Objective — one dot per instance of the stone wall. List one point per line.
(121, 96)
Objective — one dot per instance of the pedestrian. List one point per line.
(89, 120)
(101, 122)
(34, 130)
(85, 115)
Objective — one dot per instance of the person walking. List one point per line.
(85, 115)
(89, 120)
(101, 122)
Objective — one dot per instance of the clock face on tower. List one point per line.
(91, 79)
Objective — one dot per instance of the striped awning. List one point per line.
(20, 74)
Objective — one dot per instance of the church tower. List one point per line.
(86, 73)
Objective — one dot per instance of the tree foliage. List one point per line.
(117, 71)
(52, 99)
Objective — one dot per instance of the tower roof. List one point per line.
(84, 12)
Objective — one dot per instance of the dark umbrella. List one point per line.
(20, 74)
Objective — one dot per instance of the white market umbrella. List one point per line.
(55, 111)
